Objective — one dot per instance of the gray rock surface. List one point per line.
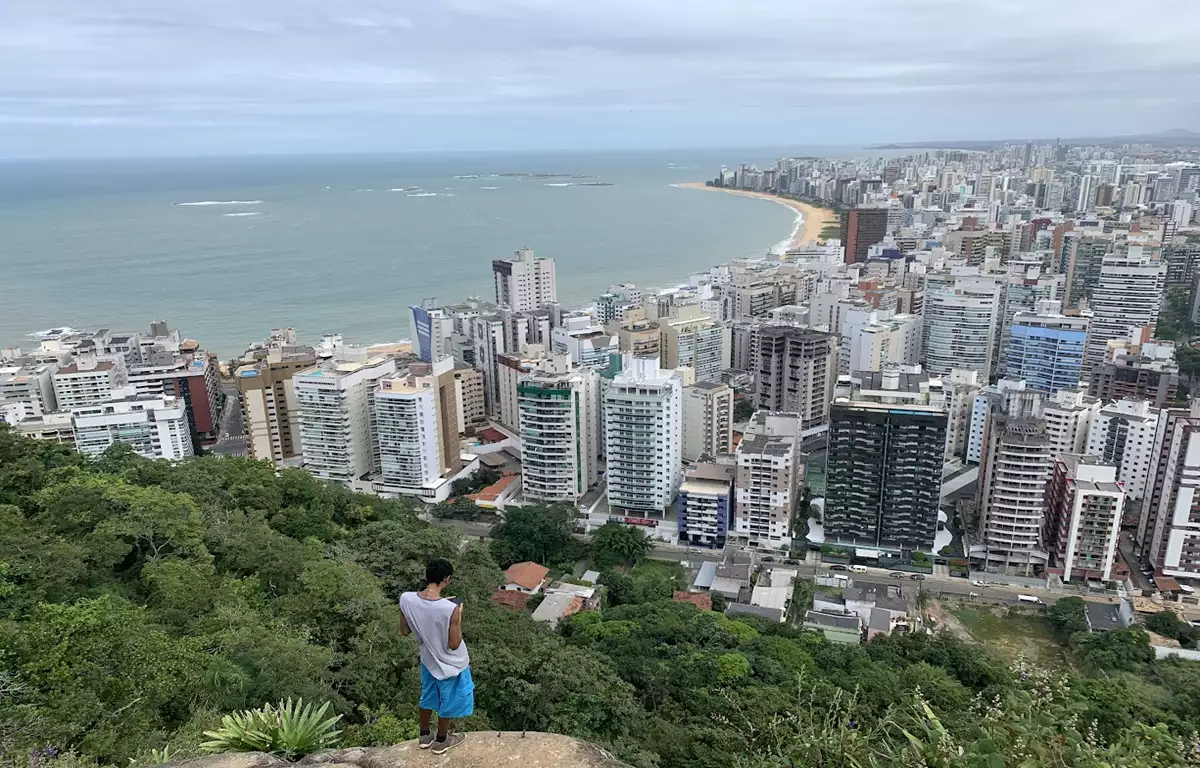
(482, 749)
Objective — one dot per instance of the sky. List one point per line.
(165, 77)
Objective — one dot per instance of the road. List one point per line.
(231, 440)
(954, 588)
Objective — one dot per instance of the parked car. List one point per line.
(838, 568)
(767, 559)
(917, 577)
(790, 561)
(896, 575)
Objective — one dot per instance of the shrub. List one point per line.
(289, 729)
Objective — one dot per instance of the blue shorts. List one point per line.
(450, 698)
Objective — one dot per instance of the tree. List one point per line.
(1067, 617)
(743, 409)
(619, 544)
(540, 533)
(1119, 649)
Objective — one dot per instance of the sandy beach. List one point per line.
(815, 218)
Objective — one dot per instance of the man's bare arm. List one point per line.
(404, 630)
(455, 638)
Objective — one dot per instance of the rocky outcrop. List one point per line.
(482, 749)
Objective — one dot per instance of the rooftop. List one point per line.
(528, 575)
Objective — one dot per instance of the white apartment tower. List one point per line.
(525, 282)
(1123, 434)
(959, 327)
(336, 432)
(415, 425)
(154, 426)
(643, 425)
(559, 423)
(1128, 295)
(1069, 414)
(766, 489)
(88, 381)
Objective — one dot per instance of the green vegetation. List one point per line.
(142, 602)
(1168, 624)
(743, 409)
(616, 544)
(290, 730)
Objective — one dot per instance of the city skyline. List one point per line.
(128, 77)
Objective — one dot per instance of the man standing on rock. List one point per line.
(446, 686)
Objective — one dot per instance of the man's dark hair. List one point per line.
(436, 571)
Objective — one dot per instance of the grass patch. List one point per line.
(659, 568)
(1013, 635)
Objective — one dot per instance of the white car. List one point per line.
(978, 583)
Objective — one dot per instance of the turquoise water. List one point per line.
(323, 244)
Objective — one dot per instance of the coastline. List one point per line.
(813, 218)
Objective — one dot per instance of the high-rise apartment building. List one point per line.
(30, 385)
(1172, 539)
(862, 228)
(270, 414)
(1142, 371)
(959, 327)
(1122, 434)
(152, 425)
(559, 414)
(88, 381)
(525, 282)
(884, 465)
(588, 343)
(1081, 259)
(1015, 467)
(643, 440)
(415, 428)
(704, 505)
(795, 372)
(1068, 414)
(192, 377)
(1083, 518)
(767, 489)
(878, 341)
(707, 420)
(1128, 295)
(690, 338)
(1045, 348)
(960, 388)
(337, 436)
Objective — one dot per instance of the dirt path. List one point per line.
(948, 621)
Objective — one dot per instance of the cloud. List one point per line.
(108, 75)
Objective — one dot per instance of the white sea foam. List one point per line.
(489, 187)
(423, 194)
(559, 184)
(244, 213)
(224, 202)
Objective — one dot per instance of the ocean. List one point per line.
(226, 249)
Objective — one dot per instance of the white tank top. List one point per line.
(429, 620)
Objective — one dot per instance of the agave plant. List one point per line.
(289, 729)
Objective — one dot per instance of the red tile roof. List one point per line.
(490, 435)
(528, 575)
(511, 599)
(701, 600)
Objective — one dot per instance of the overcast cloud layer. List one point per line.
(127, 77)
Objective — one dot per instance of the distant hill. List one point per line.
(1175, 137)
